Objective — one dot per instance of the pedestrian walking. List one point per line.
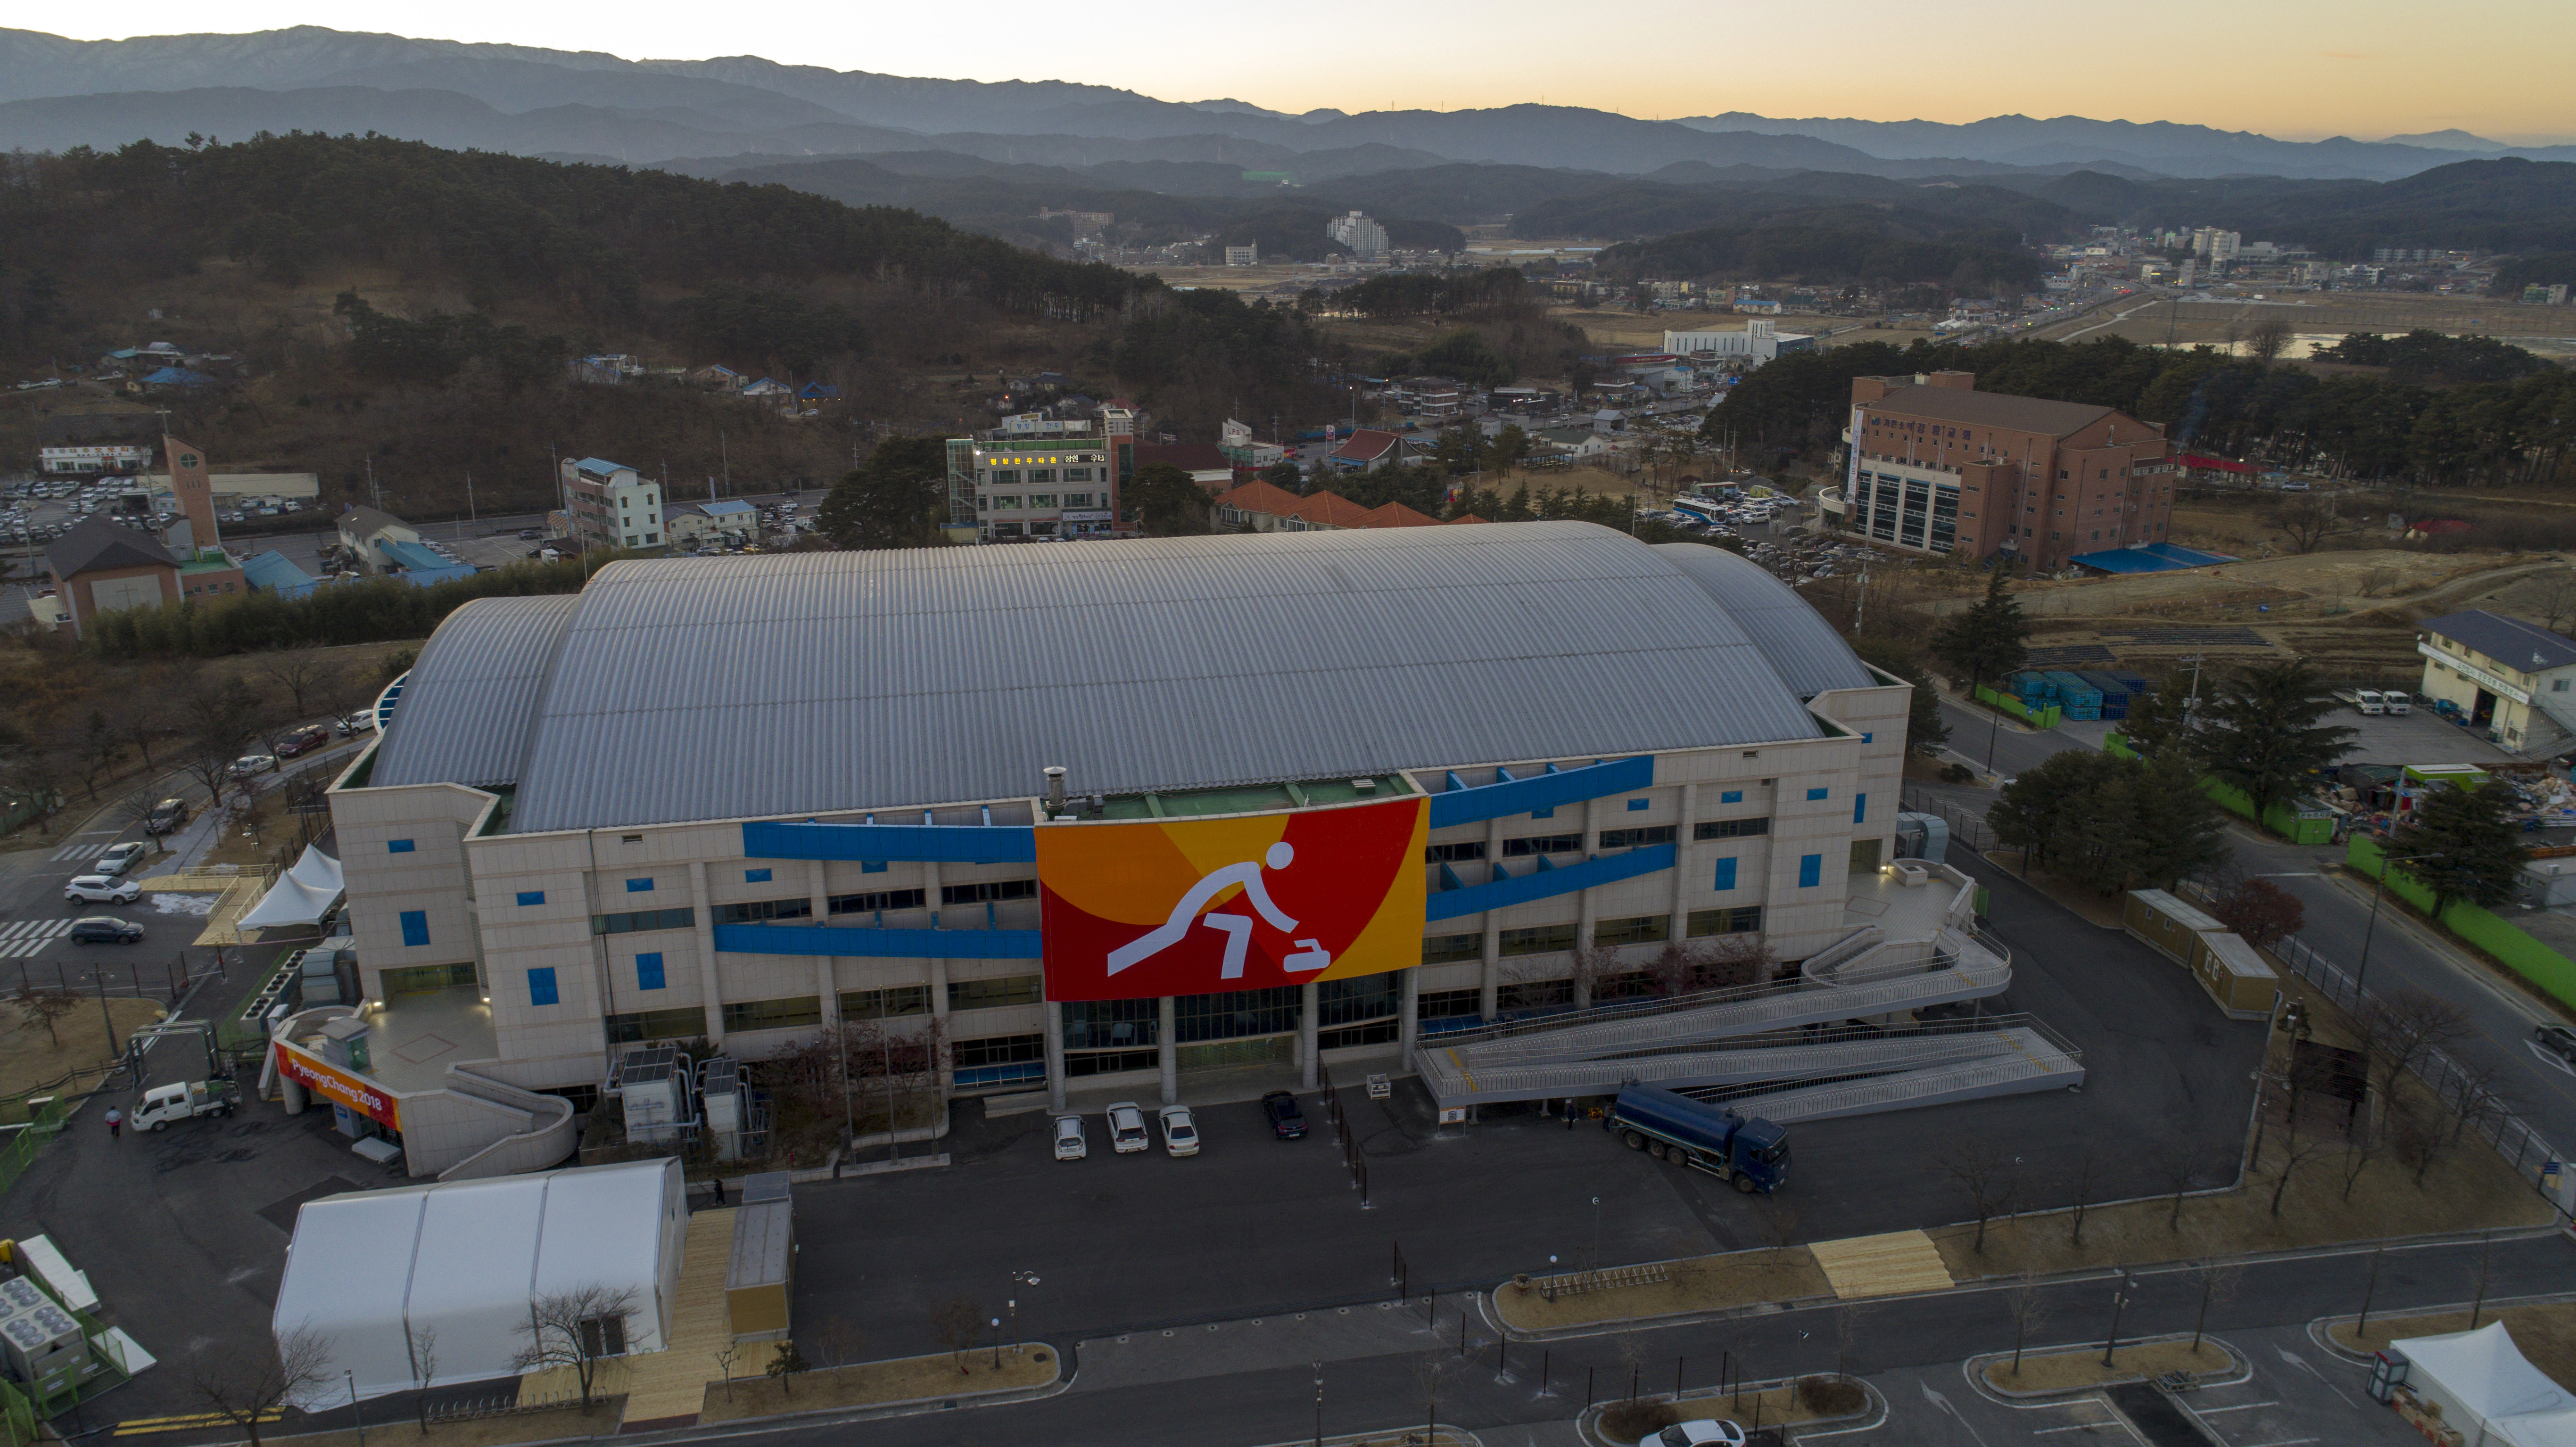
(115, 1123)
(720, 1200)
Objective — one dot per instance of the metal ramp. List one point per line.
(2036, 1067)
(1871, 1054)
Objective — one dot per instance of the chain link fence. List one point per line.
(1967, 826)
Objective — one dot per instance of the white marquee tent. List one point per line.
(2488, 1390)
(301, 896)
(374, 1271)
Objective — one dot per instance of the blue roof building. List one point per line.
(272, 572)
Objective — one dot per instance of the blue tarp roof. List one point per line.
(423, 577)
(272, 572)
(414, 557)
(176, 377)
(601, 464)
(730, 507)
(2151, 558)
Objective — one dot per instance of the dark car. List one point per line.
(2558, 1040)
(303, 741)
(529, 535)
(100, 929)
(1286, 1121)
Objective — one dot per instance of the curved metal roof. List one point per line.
(799, 683)
(471, 699)
(1810, 656)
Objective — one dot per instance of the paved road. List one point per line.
(2401, 953)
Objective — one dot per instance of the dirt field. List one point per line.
(1706, 1283)
(1237, 278)
(866, 1383)
(2063, 1371)
(2323, 318)
(30, 1058)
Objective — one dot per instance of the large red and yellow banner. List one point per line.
(339, 1086)
(1198, 906)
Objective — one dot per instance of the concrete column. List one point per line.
(1409, 1024)
(1309, 1055)
(1489, 988)
(939, 968)
(1586, 908)
(291, 1094)
(1054, 1053)
(1679, 928)
(1167, 1050)
(709, 976)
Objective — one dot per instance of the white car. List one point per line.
(1069, 1143)
(1180, 1133)
(249, 764)
(1127, 1127)
(120, 857)
(1701, 1432)
(100, 889)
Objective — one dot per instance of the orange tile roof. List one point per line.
(1394, 515)
(1261, 497)
(1329, 509)
(1465, 518)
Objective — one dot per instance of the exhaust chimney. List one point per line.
(1054, 790)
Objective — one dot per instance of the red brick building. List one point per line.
(1935, 465)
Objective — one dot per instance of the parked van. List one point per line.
(2369, 701)
(2397, 700)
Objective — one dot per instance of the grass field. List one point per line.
(866, 1383)
(2066, 1371)
(2323, 318)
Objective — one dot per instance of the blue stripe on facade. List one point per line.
(1541, 791)
(1549, 881)
(878, 944)
(942, 843)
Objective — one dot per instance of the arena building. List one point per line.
(1319, 794)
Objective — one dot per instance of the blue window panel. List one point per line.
(639, 886)
(532, 896)
(398, 846)
(872, 866)
(1725, 875)
(943, 843)
(1865, 738)
(1637, 806)
(857, 942)
(1860, 808)
(1811, 870)
(415, 926)
(755, 876)
(1815, 794)
(1545, 883)
(1731, 796)
(648, 972)
(1540, 794)
(541, 987)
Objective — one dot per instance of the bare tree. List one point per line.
(102, 748)
(242, 1394)
(2553, 596)
(1590, 967)
(2028, 1304)
(2403, 1031)
(143, 716)
(423, 1343)
(2218, 1282)
(2265, 339)
(134, 811)
(2294, 1154)
(303, 671)
(2306, 520)
(217, 716)
(2086, 1167)
(2176, 1163)
(1984, 1172)
(1779, 1222)
(43, 1007)
(577, 1329)
(835, 1340)
(953, 1323)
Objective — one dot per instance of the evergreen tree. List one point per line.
(2161, 720)
(2466, 848)
(1924, 730)
(898, 499)
(2261, 731)
(2173, 827)
(1167, 502)
(1990, 640)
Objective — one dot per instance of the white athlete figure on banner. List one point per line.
(1237, 928)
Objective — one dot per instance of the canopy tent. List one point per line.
(376, 1271)
(2487, 1389)
(301, 896)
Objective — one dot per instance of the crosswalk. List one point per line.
(81, 851)
(22, 938)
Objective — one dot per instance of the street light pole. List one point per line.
(1319, 1404)
(2378, 887)
(2119, 1299)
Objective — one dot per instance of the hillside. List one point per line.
(2500, 204)
(1876, 245)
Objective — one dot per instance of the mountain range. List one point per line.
(56, 93)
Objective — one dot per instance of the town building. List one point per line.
(1365, 238)
(726, 519)
(1260, 507)
(93, 460)
(1755, 342)
(1038, 487)
(2509, 675)
(610, 506)
(100, 567)
(970, 776)
(1935, 465)
(368, 536)
(1243, 255)
(1368, 449)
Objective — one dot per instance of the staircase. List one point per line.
(540, 1130)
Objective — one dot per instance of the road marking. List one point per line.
(2069, 1427)
(2239, 1407)
(29, 937)
(2286, 1442)
(79, 851)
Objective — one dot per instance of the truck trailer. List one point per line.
(1747, 1150)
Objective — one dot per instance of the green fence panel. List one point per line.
(2046, 718)
(2525, 956)
(2281, 819)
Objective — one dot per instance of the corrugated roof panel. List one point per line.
(1797, 640)
(802, 683)
(471, 700)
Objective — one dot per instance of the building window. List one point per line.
(398, 846)
(998, 1050)
(987, 994)
(1811, 870)
(1815, 794)
(750, 911)
(532, 896)
(1362, 997)
(420, 979)
(1730, 828)
(541, 987)
(1542, 844)
(686, 1023)
(1450, 949)
(639, 886)
(1538, 939)
(1637, 838)
(642, 919)
(1111, 1024)
(883, 899)
(1725, 875)
(885, 1004)
(1454, 853)
(415, 927)
(1860, 803)
(1236, 1014)
(1741, 920)
(1534, 994)
(1643, 929)
(1110, 1062)
(1448, 1004)
(648, 972)
(755, 876)
(1639, 806)
(991, 889)
(1731, 796)
(794, 1012)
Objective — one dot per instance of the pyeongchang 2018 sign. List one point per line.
(339, 1087)
(1198, 906)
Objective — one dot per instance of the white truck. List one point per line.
(187, 1100)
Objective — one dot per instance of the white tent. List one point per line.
(377, 1271)
(2487, 1389)
(301, 896)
